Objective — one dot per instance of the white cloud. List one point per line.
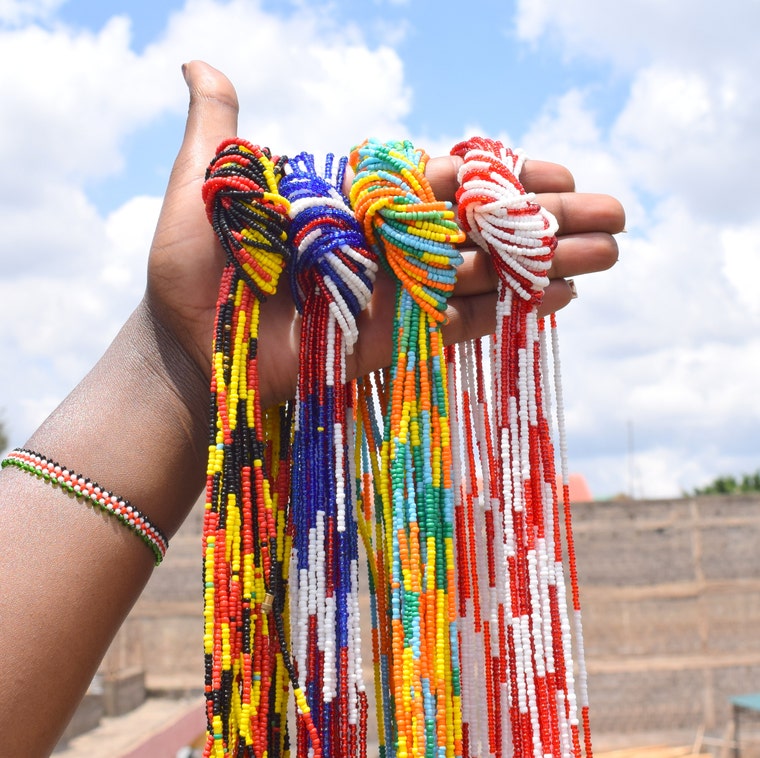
(741, 263)
(47, 230)
(129, 231)
(343, 91)
(77, 94)
(684, 131)
(690, 122)
(636, 32)
(71, 276)
(658, 472)
(73, 99)
(64, 310)
(14, 12)
(666, 340)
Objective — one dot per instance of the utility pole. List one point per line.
(631, 463)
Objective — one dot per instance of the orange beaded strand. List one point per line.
(414, 235)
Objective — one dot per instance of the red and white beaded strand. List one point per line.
(515, 633)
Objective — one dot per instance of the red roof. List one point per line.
(579, 489)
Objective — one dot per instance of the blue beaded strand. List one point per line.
(331, 277)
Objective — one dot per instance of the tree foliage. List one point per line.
(729, 485)
(3, 436)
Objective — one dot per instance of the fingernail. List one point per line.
(184, 71)
(573, 289)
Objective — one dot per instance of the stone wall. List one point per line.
(671, 606)
(671, 609)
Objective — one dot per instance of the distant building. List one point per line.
(580, 492)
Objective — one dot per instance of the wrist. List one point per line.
(138, 422)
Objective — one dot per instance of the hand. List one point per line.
(138, 422)
(186, 259)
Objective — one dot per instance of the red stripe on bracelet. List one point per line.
(86, 489)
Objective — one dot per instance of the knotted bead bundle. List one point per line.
(331, 253)
(516, 636)
(332, 273)
(244, 532)
(415, 236)
(503, 219)
(247, 213)
(414, 232)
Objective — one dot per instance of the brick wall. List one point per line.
(671, 607)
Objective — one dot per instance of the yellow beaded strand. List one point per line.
(245, 522)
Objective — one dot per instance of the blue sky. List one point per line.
(449, 71)
(654, 103)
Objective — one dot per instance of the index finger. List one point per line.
(536, 176)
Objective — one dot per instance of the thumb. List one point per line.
(185, 250)
(212, 118)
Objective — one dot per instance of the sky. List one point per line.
(655, 103)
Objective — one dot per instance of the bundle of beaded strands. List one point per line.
(245, 536)
(507, 618)
(414, 235)
(332, 272)
(516, 636)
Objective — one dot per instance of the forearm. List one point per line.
(137, 425)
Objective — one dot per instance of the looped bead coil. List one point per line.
(330, 251)
(502, 218)
(412, 231)
(248, 213)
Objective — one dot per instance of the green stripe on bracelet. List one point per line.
(85, 489)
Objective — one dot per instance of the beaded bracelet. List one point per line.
(85, 489)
